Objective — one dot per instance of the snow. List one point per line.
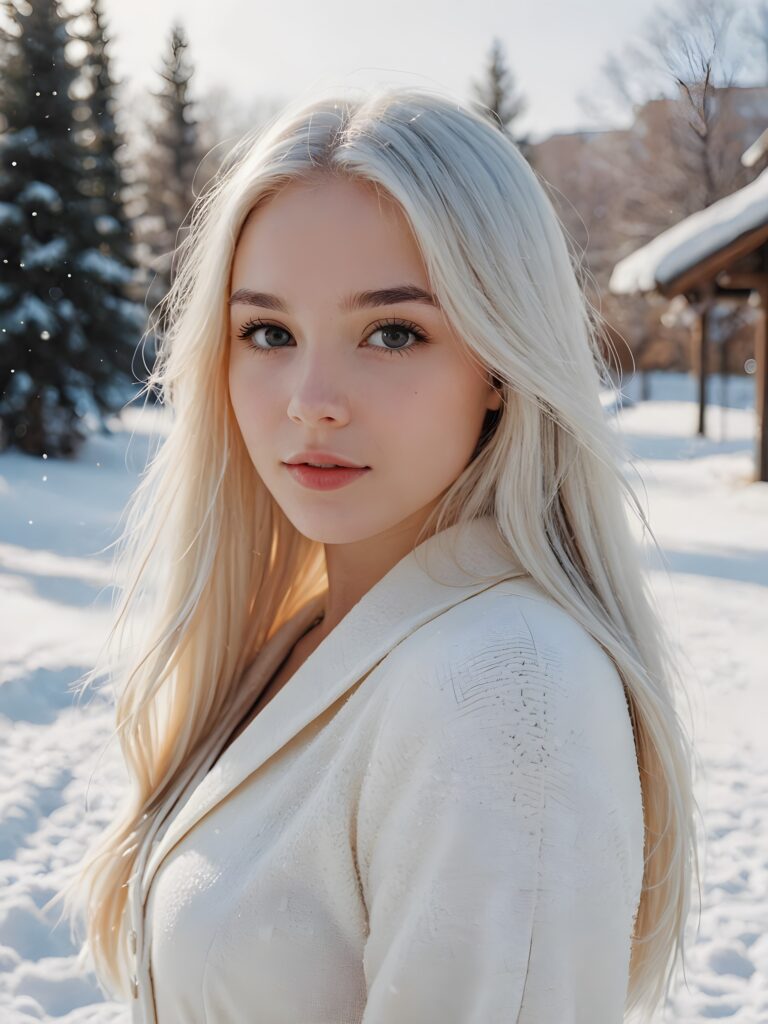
(104, 267)
(106, 225)
(65, 308)
(21, 139)
(17, 389)
(30, 309)
(693, 239)
(44, 255)
(11, 215)
(40, 192)
(753, 154)
(57, 518)
(126, 309)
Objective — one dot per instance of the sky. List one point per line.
(295, 47)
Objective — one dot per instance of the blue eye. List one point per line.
(249, 330)
(387, 327)
(399, 327)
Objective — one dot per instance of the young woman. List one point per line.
(401, 731)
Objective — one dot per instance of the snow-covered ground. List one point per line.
(61, 773)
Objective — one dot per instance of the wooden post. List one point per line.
(756, 282)
(702, 339)
(699, 301)
(761, 384)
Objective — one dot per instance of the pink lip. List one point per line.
(324, 479)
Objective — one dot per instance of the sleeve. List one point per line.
(500, 843)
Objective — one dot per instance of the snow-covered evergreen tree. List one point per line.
(56, 377)
(173, 156)
(115, 316)
(39, 172)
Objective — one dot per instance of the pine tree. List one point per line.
(55, 377)
(171, 161)
(498, 98)
(114, 313)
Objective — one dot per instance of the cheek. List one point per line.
(434, 425)
(250, 398)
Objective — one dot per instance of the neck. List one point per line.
(353, 569)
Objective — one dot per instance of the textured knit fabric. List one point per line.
(437, 819)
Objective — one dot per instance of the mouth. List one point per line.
(323, 460)
(324, 478)
(327, 465)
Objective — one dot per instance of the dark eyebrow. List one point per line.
(360, 300)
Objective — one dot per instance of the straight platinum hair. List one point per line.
(210, 567)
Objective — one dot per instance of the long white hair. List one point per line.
(210, 567)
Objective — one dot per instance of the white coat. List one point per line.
(437, 819)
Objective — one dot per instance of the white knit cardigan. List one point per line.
(438, 820)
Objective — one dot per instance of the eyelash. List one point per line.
(247, 330)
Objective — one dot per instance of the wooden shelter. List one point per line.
(720, 251)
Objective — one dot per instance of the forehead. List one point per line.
(319, 231)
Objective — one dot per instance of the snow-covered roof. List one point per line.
(692, 240)
(757, 150)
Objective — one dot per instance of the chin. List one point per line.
(339, 525)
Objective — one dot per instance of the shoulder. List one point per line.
(505, 705)
(508, 683)
(476, 657)
(503, 774)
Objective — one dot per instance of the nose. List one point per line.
(317, 392)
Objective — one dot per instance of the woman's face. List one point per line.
(324, 372)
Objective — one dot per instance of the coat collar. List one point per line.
(404, 599)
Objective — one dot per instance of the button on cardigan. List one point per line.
(437, 819)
